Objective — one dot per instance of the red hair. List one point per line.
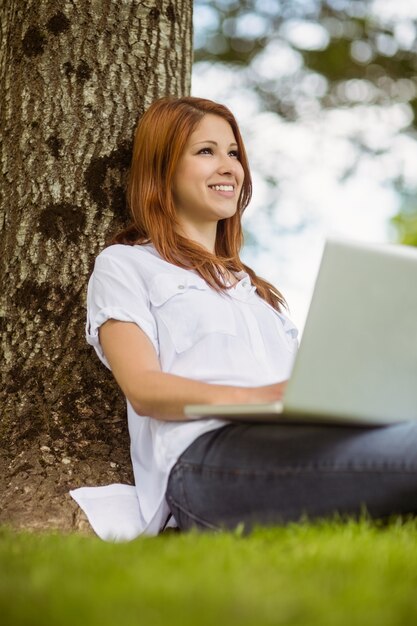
(160, 139)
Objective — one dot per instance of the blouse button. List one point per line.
(181, 286)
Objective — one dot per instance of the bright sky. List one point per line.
(327, 186)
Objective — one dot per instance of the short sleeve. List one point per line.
(117, 291)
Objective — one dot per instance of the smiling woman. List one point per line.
(183, 149)
(179, 320)
(208, 180)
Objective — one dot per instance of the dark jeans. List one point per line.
(269, 473)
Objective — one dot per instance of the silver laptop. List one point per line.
(357, 362)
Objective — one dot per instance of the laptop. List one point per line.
(357, 361)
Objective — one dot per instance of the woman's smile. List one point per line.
(227, 191)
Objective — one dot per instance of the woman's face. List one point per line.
(209, 176)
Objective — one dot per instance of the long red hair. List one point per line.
(160, 139)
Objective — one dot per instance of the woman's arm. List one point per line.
(136, 368)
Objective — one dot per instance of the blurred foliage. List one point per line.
(405, 222)
(341, 40)
(406, 226)
(301, 56)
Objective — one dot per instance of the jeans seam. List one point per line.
(321, 467)
(194, 517)
(179, 475)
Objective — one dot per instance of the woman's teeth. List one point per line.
(222, 187)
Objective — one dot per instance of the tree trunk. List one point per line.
(75, 76)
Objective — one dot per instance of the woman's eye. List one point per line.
(232, 153)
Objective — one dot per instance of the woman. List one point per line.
(179, 319)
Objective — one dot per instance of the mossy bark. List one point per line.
(74, 78)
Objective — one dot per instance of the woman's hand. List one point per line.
(266, 393)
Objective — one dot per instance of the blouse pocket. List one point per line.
(288, 331)
(190, 309)
(285, 328)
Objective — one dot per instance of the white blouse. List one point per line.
(231, 338)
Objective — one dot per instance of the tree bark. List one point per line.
(74, 78)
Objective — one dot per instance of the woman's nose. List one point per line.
(226, 166)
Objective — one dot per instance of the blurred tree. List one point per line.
(341, 40)
(304, 56)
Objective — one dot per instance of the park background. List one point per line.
(326, 96)
(325, 92)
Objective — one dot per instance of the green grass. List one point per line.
(325, 574)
